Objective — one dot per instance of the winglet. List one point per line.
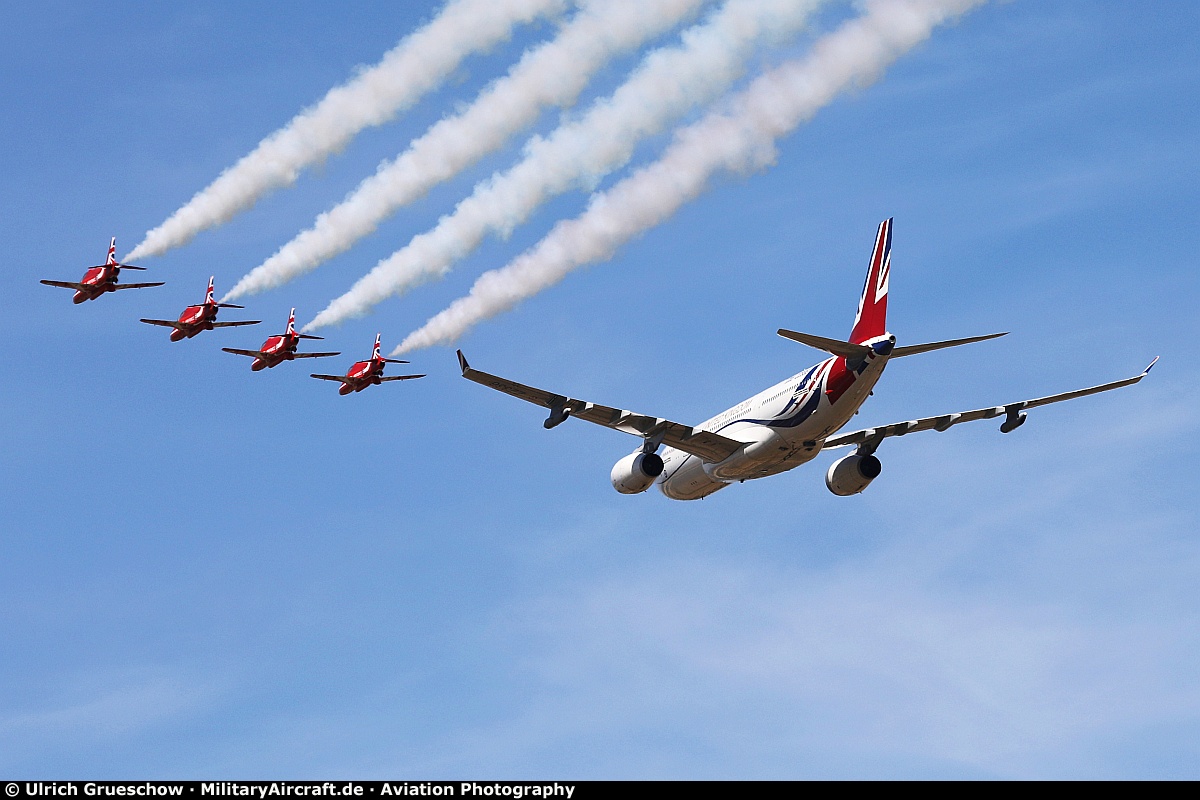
(462, 363)
(1146, 371)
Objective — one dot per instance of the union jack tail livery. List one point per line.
(375, 352)
(208, 298)
(112, 252)
(291, 328)
(871, 320)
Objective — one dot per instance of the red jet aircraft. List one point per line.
(101, 279)
(195, 319)
(365, 373)
(277, 349)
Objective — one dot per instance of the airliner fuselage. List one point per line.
(784, 426)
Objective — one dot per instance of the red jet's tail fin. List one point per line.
(375, 352)
(291, 322)
(208, 298)
(112, 252)
(871, 320)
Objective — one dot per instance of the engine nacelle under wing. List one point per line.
(851, 474)
(635, 473)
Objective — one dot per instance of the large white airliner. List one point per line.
(788, 424)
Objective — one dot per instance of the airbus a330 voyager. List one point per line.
(196, 319)
(788, 424)
(101, 279)
(277, 349)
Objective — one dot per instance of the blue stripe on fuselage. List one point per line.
(798, 415)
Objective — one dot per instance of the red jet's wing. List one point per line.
(401, 377)
(166, 323)
(339, 378)
(79, 287)
(314, 355)
(136, 285)
(236, 324)
(251, 353)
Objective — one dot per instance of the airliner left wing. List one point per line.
(869, 438)
(711, 447)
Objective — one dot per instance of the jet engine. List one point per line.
(852, 474)
(636, 472)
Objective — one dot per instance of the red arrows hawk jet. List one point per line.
(365, 373)
(277, 349)
(101, 279)
(195, 319)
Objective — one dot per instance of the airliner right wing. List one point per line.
(1012, 412)
(711, 447)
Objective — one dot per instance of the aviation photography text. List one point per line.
(264, 789)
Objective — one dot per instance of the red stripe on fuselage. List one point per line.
(840, 379)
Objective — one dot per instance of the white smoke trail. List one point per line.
(738, 140)
(415, 66)
(668, 82)
(552, 74)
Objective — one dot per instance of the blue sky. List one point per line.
(210, 573)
